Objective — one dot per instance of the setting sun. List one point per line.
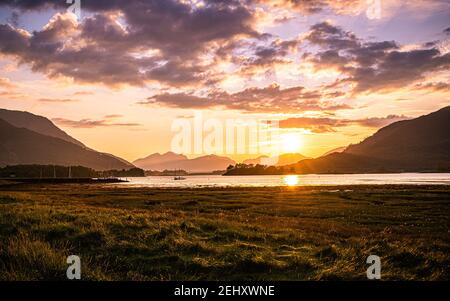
(291, 143)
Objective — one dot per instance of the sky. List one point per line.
(117, 75)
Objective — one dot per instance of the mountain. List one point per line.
(172, 161)
(281, 160)
(421, 144)
(207, 163)
(37, 124)
(23, 146)
(158, 161)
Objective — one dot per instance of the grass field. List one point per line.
(296, 233)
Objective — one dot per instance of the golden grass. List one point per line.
(303, 233)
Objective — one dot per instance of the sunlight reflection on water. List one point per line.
(292, 180)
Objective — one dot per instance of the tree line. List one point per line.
(56, 171)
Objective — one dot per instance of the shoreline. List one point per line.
(63, 180)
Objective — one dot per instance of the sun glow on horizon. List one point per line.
(291, 143)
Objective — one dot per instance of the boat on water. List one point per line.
(178, 178)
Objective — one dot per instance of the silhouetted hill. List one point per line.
(158, 161)
(36, 123)
(341, 163)
(420, 144)
(207, 163)
(423, 142)
(23, 146)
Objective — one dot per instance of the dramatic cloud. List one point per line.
(326, 125)
(329, 36)
(268, 99)
(316, 125)
(199, 45)
(357, 7)
(89, 123)
(310, 7)
(131, 42)
(265, 57)
(434, 87)
(371, 66)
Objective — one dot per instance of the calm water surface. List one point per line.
(293, 180)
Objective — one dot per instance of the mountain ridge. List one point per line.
(27, 144)
(172, 161)
(36, 123)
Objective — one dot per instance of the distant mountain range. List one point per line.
(26, 138)
(172, 161)
(421, 144)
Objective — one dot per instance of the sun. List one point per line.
(291, 143)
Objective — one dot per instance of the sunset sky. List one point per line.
(331, 72)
